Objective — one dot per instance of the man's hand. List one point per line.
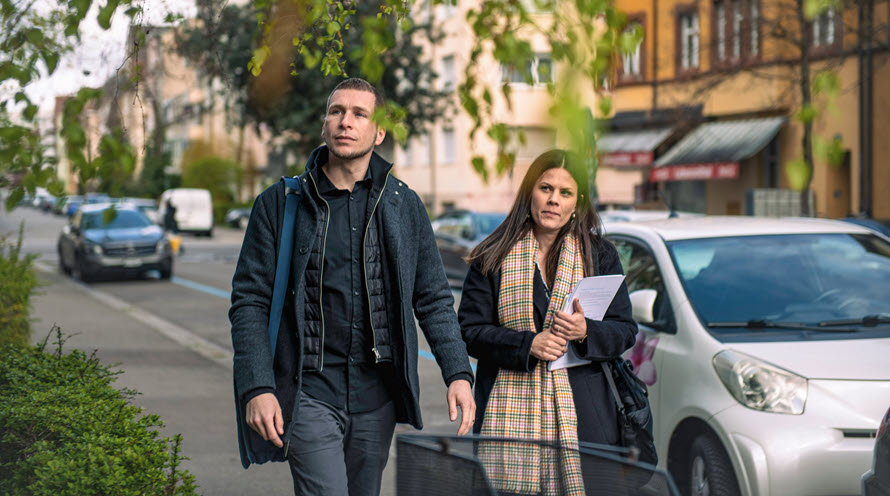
(263, 414)
(461, 395)
(548, 346)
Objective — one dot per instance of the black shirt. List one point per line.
(349, 379)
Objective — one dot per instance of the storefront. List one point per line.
(710, 169)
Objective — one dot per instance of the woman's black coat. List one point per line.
(498, 347)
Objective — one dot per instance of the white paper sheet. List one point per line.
(595, 294)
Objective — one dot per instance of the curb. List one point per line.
(180, 335)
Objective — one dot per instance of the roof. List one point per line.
(726, 141)
(632, 141)
(98, 207)
(714, 226)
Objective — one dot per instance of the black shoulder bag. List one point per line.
(634, 414)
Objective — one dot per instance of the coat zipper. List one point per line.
(365, 265)
(324, 242)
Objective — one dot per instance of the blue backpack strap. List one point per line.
(285, 251)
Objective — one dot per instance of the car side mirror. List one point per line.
(643, 302)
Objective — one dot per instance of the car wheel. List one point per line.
(62, 266)
(82, 273)
(166, 269)
(710, 471)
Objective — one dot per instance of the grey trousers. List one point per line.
(333, 453)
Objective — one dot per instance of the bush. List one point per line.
(17, 282)
(64, 430)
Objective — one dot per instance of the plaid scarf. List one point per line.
(535, 405)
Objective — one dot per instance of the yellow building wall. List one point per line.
(774, 92)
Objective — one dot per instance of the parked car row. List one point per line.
(763, 342)
(193, 207)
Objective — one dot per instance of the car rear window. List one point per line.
(121, 219)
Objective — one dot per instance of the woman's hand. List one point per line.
(548, 346)
(570, 327)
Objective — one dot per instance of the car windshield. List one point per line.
(123, 219)
(791, 278)
(487, 223)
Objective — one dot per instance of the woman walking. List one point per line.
(510, 317)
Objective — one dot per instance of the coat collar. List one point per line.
(379, 167)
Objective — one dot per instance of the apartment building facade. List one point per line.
(703, 112)
(705, 109)
(438, 165)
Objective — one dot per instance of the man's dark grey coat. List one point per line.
(415, 284)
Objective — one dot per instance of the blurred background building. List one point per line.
(705, 112)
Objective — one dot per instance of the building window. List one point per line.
(539, 69)
(448, 74)
(825, 29)
(420, 150)
(736, 30)
(720, 30)
(446, 147)
(754, 27)
(632, 63)
(688, 40)
(736, 9)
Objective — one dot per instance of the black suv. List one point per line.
(101, 239)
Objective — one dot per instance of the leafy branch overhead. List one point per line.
(584, 38)
(267, 79)
(31, 46)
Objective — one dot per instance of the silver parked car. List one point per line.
(876, 482)
(765, 345)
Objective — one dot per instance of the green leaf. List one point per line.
(30, 111)
(807, 114)
(105, 13)
(260, 55)
(333, 27)
(15, 196)
(35, 37)
(826, 82)
(798, 172)
(51, 59)
(605, 106)
(479, 166)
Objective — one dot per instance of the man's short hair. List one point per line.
(361, 85)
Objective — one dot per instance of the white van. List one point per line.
(194, 209)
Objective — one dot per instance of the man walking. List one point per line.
(345, 365)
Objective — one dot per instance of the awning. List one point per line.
(714, 150)
(630, 148)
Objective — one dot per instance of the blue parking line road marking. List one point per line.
(227, 295)
(201, 287)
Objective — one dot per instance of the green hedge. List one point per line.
(17, 282)
(64, 430)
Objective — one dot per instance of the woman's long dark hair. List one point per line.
(491, 252)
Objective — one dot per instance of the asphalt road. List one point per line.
(171, 340)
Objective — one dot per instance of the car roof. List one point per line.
(98, 207)
(716, 226)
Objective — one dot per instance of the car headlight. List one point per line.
(759, 385)
(95, 248)
(162, 245)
